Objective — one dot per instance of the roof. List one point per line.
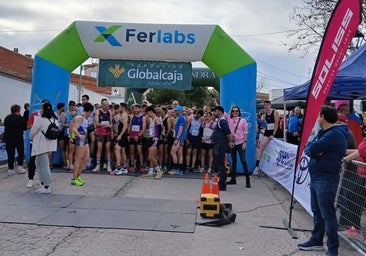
(349, 83)
(20, 66)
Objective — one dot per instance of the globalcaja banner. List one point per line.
(145, 74)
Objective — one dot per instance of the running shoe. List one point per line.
(124, 170)
(81, 180)
(11, 172)
(96, 169)
(158, 175)
(118, 171)
(43, 190)
(21, 169)
(131, 169)
(76, 182)
(30, 184)
(109, 169)
(353, 233)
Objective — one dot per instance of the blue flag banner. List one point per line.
(145, 74)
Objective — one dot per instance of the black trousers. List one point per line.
(10, 150)
(31, 165)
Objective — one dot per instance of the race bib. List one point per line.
(270, 126)
(195, 133)
(135, 128)
(104, 122)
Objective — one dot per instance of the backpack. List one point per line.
(52, 132)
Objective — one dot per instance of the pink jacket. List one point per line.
(242, 130)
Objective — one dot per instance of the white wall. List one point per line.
(13, 92)
(18, 92)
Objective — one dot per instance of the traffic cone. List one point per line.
(206, 188)
(215, 186)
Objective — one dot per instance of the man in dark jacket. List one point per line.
(14, 125)
(222, 140)
(326, 152)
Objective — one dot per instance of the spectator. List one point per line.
(353, 194)
(14, 125)
(32, 165)
(326, 152)
(294, 126)
(26, 112)
(353, 121)
(239, 129)
(42, 146)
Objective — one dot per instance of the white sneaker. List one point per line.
(109, 169)
(30, 184)
(96, 169)
(43, 190)
(11, 172)
(256, 171)
(117, 171)
(21, 169)
(88, 164)
(209, 170)
(124, 170)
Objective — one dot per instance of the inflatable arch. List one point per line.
(54, 63)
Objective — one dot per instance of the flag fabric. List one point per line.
(340, 30)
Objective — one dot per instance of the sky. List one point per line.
(259, 27)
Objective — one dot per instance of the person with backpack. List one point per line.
(44, 133)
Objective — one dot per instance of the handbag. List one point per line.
(236, 128)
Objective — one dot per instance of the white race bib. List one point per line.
(135, 128)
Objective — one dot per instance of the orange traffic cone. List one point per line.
(206, 188)
(215, 186)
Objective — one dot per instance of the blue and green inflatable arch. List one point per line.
(210, 44)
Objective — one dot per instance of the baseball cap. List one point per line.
(178, 108)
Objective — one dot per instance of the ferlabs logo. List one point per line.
(106, 34)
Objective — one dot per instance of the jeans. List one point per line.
(10, 150)
(43, 168)
(219, 161)
(323, 190)
(234, 152)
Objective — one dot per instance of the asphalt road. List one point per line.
(265, 204)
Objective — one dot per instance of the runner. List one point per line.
(79, 128)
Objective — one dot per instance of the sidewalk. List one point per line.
(265, 204)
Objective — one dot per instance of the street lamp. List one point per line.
(80, 88)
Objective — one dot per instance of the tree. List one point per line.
(311, 17)
(198, 96)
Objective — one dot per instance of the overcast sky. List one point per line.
(258, 27)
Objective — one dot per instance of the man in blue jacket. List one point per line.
(326, 152)
(222, 140)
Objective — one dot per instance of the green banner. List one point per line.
(145, 74)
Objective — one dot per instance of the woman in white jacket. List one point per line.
(42, 146)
